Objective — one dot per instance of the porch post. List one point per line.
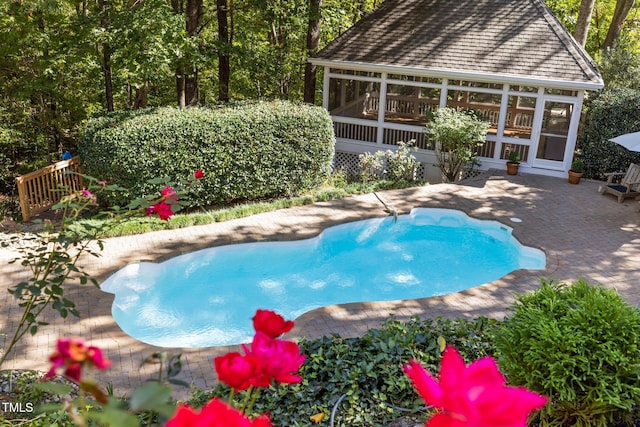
(325, 88)
(382, 108)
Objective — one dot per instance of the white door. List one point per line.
(557, 135)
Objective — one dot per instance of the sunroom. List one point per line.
(509, 60)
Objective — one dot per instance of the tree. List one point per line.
(187, 81)
(106, 55)
(584, 21)
(313, 37)
(146, 38)
(623, 7)
(224, 47)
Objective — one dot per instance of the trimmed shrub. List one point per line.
(248, 150)
(367, 371)
(577, 344)
(611, 114)
(457, 134)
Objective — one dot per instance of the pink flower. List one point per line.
(472, 396)
(280, 359)
(89, 195)
(216, 413)
(71, 355)
(271, 323)
(198, 174)
(237, 371)
(168, 193)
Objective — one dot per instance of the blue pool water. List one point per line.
(207, 298)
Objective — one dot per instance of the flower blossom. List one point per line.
(216, 413)
(198, 174)
(164, 207)
(168, 193)
(238, 371)
(280, 359)
(472, 396)
(89, 195)
(267, 359)
(271, 323)
(163, 210)
(71, 355)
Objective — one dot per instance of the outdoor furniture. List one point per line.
(628, 185)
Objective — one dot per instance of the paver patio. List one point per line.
(584, 235)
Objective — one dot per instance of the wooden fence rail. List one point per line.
(41, 189)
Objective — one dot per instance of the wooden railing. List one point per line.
(41, 189)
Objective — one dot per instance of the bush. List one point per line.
(612, 113)
(577, 345)
(248, 150)
(457, 135)
(368, 371)
(396, 166)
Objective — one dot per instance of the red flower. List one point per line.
(474, 395)
(72, 354)
(216, 413)
(237, 371)
(271, 323)
(163, 210)
(198, 174)
(280, 359)
(168, 193)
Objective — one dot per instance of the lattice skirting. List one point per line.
(349, 163)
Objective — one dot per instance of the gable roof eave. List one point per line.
(593, 85)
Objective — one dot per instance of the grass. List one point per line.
(336, 188)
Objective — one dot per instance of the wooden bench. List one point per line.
(41, 189)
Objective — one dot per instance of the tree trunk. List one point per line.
(194, 12)
(623, 7)
(106, 57)
(192, 93)
(223, 51)
(178, 9)
(584, 20)
(180, 87)
(313, 36)
(141, 98)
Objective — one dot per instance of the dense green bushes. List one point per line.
(580, 346)
(577, 345)
(248, 150)
(611, 114)
(368, 371)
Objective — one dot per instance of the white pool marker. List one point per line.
(515, 219)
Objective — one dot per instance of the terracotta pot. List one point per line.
(574, 177)
(512, 168)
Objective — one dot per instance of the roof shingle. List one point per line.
(490, 37)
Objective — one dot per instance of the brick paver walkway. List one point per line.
(583, 234)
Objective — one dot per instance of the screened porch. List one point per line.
(374, 110)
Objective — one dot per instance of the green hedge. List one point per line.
(577, 344)
(611, 114)
(248, 150)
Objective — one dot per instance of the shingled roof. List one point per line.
(492, 38)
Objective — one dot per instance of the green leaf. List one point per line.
(150, 396)
(53, 388)
(115, 417)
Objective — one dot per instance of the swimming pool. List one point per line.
(207, 298)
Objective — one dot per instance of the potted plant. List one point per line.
(576, 171)
(513, 163)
